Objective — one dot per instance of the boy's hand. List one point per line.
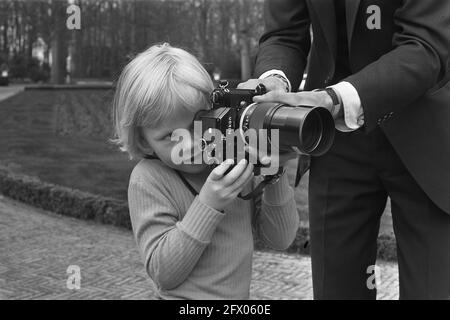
(284, 157)
(281, 159)
(221, 189)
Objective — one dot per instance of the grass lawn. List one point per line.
(61, 136)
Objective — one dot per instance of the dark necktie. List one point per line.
(342, 56)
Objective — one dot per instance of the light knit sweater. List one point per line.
(192, 251)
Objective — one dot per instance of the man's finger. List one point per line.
(277, 96)
(271, 84)
(292, 99)
(274, 84)
(250, 84)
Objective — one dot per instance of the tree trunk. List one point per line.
(77, 50)
(244, 40)
(202, 29)
(133, 27)
(5, 34)
(57, 44)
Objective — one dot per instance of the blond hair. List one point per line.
(152, 87)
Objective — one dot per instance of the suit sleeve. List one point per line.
(416, 65)
(286, 42)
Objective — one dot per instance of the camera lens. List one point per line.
(311, 131)
(305, 129)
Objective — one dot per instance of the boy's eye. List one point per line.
(168, 136)
(165, 136)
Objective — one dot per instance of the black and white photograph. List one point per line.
(233, 155)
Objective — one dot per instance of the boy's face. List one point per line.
(159, 139)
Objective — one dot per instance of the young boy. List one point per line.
(193, 232)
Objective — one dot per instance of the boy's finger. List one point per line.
(219, 171)
(285, 157)
(265, 160)
(242, 181)
(239, 189)
(255, 154)
(234, 174)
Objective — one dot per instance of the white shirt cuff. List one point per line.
(278, 72)
(353, 111)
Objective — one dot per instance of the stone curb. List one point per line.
(87, 206)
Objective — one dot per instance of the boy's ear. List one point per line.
(143, 144)
(146, 147)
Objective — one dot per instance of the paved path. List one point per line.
(37, 247)
(8, 91)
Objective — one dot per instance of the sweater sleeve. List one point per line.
(278, 220)
(170, 247)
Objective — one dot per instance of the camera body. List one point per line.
(225, 117)
(227, 105)
(266, 127)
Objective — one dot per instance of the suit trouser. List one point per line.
(348, 192)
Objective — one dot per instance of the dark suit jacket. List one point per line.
(401, 72)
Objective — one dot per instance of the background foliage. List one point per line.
(221, 33)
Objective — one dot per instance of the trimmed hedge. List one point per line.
(387, 247)
(65, 201)
(87, 206)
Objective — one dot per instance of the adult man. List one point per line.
(387, 62)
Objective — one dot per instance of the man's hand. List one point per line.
(304, 98)
(271, 84)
